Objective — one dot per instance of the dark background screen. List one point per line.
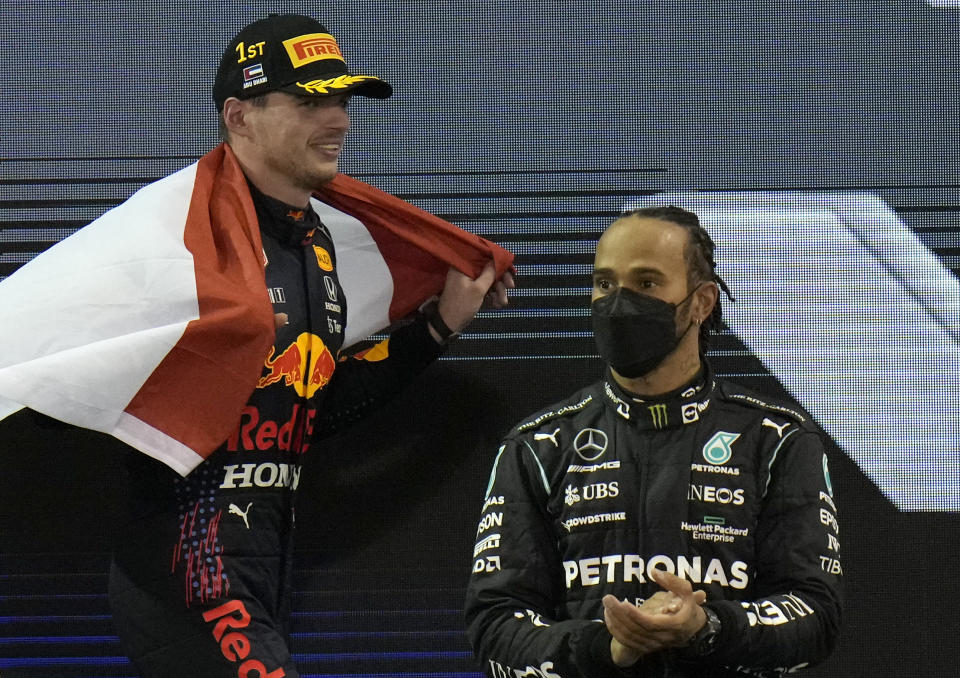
(533, 124)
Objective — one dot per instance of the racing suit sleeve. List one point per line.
(795, 619)
(516, 587)
(360, 385)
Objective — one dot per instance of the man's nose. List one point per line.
(339, 118)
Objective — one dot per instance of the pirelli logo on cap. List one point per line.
(305, 49)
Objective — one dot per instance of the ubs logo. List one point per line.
(590, 444)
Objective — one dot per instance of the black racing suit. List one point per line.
(713, 483)
(200, 579)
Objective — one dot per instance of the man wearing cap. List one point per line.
(201, 573)
(660, 522)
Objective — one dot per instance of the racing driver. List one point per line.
(660, 522)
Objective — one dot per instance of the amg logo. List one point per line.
(607, 465)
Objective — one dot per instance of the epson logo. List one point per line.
(716, 495)
(489, 520)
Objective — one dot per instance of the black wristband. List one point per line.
(432, 313)
(704, 641)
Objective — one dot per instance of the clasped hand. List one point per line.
(669, 618)
(463, 296)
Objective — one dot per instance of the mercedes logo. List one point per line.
(590, 444)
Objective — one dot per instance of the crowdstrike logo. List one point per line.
(593, 520)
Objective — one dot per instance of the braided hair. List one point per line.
(698, 253)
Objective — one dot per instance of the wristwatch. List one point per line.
(431, 311)
(705, 640)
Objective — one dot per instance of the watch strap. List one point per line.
(705, 640)
(431, 311)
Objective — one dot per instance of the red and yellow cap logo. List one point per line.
(323, 258)
(306, 49)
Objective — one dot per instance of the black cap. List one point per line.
(289, 53)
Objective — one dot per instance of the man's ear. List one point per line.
(706, 298)
(234, 116)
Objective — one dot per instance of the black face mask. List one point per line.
(635, 332)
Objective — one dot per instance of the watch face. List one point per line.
(709, 634)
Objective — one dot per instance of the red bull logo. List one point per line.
(308, 355)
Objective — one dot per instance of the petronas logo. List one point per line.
(718, 449)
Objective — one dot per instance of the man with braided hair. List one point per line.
(660, 522)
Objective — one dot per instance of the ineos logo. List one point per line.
(590, 444)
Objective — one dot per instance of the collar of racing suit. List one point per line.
(287, 224)
(678, 408)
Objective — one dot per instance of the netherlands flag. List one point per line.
(152, 323)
